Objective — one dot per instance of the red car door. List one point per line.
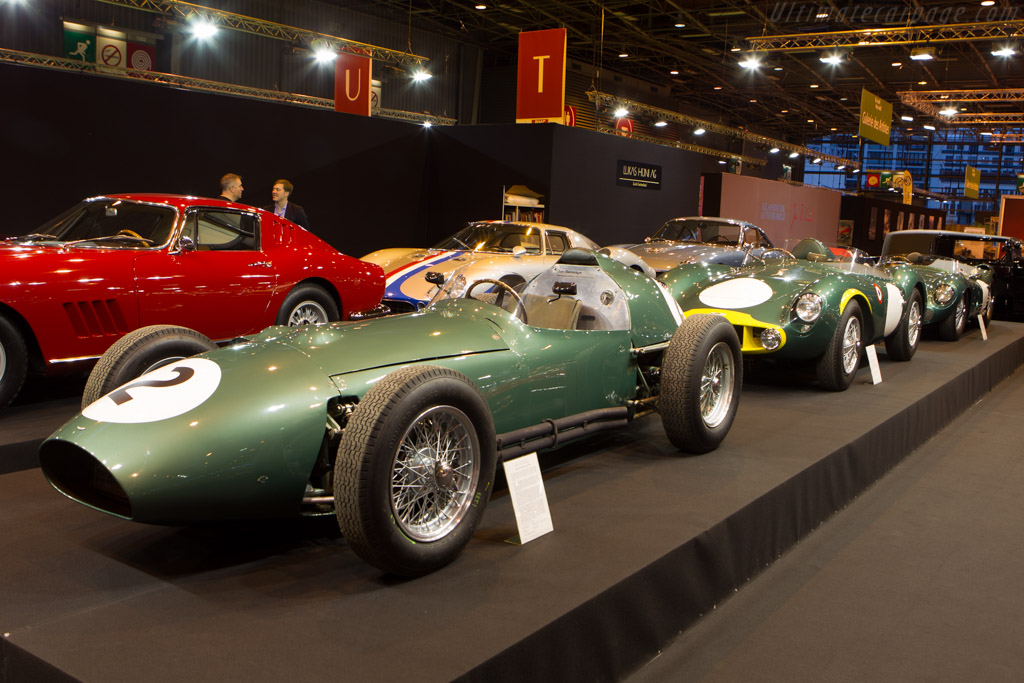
(220, 285)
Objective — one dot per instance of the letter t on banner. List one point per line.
(540, 95)
(352, 84)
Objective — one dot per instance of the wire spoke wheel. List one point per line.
(961, 314)
(914, 322)
(851, 345)
(717, 385)
(434, 473)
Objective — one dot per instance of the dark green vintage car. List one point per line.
(957, 290)
(816, 303)
(395, 424)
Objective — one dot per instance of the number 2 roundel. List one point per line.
(167, 392)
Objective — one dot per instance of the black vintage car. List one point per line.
(1001, 253)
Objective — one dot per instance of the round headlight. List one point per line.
(770, 338)
(943, 294)
(808, 307)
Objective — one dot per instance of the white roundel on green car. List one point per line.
(738, 293)
(166, 392)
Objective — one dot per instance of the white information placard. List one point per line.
(981, 326)
(876, 371)
(529, 499)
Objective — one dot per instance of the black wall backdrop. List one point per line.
(365, 183)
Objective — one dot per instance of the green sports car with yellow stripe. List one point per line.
(815, 303)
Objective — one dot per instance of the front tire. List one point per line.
(955, 323)
(902, 343)
(307, 305)
(139, 352)
(838, 365)
(13, 362)
(701, 376)
(415, 469)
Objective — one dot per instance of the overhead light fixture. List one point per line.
(752, 101)
(841, 167)
(750, 62)
(814, 85)
(929, 127)
(948, 111)
(906, 118)
(922, 54)
(680, 24)
(794, 155)
(833, 59)
(810, 120)
(821, 15)
(660, 124)
(735, 48)
(783, 111)
(623, 55)
(1004, 52)
(986, 133)
(817, 160)
(922, 82)
(621, 113)
(987, 3)
(324, 55)
(721, 161)
(673, 72)
(778, 68)
(699, 131)
(856, 170)
(202, 29)
(773, 150)
(481, 6)
(896, 64)
(717, 87)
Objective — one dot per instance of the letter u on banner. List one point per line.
(352, 84)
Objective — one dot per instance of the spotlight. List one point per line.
(833, 59)
(621, 113)
(794, 155)
(699, 131)
(922, 54)
(750, 62)
(660, 124)
(948, 111)
(202, 29)
(773, 150)
(1004, 52)
(927, 127)
(817, 160)
(906, 118)
(841, 167)
(324, 55)
(422, 75)
(427, 124)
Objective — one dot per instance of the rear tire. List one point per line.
(307, 305)
(701, 376)
(139, 352)
(13, 362)
(902, 343)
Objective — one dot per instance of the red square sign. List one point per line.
(352, 84)
(540, 97)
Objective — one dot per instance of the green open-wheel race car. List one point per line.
(396, 424)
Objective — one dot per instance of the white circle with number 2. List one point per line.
(167, 392)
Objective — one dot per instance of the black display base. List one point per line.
(645, 542)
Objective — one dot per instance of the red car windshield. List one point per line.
(111, 219)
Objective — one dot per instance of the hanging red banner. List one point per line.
(352, 84)
(540, 95)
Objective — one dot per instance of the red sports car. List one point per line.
(112, 264)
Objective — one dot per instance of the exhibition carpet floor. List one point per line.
(916, 580)
(647, 543)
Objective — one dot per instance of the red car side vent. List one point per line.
(96, 318)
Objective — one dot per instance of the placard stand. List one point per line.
(876, 371)
(529, 499)
(981, 326)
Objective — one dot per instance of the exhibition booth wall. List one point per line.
(366, 183)
(871, 218)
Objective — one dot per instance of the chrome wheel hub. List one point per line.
(851, 345)
(308, 313)
(434, 473)
(716, 385)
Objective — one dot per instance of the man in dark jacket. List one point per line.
(282, 207)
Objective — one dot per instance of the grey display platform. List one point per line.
(645, 542)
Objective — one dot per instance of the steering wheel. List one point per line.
(505, 287)
(132, 233)
(776, 252)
